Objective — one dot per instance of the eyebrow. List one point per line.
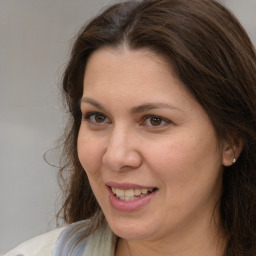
(150, 106)
(134, 110)
(92, 102)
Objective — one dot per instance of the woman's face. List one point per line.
(149, 149)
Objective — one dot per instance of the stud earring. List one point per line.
(234, 160)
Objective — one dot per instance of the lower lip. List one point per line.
(128, 206)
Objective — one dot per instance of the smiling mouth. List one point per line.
(131, 194)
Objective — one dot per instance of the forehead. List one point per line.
(133, 77)
(120, 55)
(121, 66)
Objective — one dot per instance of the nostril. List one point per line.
(121, 159)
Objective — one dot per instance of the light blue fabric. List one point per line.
(71, 241)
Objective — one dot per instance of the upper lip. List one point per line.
(127, 186)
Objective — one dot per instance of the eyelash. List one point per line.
(91, 114)
(162, 120)
(157, 118)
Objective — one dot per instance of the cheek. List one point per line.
(190, 177)
(89, 152)
(185, 162)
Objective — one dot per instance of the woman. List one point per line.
(161, 142)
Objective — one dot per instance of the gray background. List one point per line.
(35, 38)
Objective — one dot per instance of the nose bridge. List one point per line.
(122, 149)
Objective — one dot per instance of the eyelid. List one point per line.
(165, 120)
(87, 116)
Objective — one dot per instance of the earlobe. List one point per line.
(231, 151)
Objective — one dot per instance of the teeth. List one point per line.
(120, 192)
(144, 191)
(113, 190)
(137, 192)
(130, 194)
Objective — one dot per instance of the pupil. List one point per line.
(155, 121)
(99, 118)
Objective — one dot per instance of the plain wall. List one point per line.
(35, 38)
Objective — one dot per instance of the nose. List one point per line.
(122, 151)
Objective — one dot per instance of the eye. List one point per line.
(155, 121)
(97, 118)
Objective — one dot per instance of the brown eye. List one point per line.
(99, 118)
(155, 121)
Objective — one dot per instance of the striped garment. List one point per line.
(69, 241)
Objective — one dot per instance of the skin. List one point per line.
(179, 154)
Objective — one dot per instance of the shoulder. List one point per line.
(41, 245)
(79, 239)
(101, 242)
(76, 239)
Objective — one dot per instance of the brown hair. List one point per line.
(213, 56)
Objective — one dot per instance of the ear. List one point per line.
(232, 149)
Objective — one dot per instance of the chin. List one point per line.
(131, 230)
